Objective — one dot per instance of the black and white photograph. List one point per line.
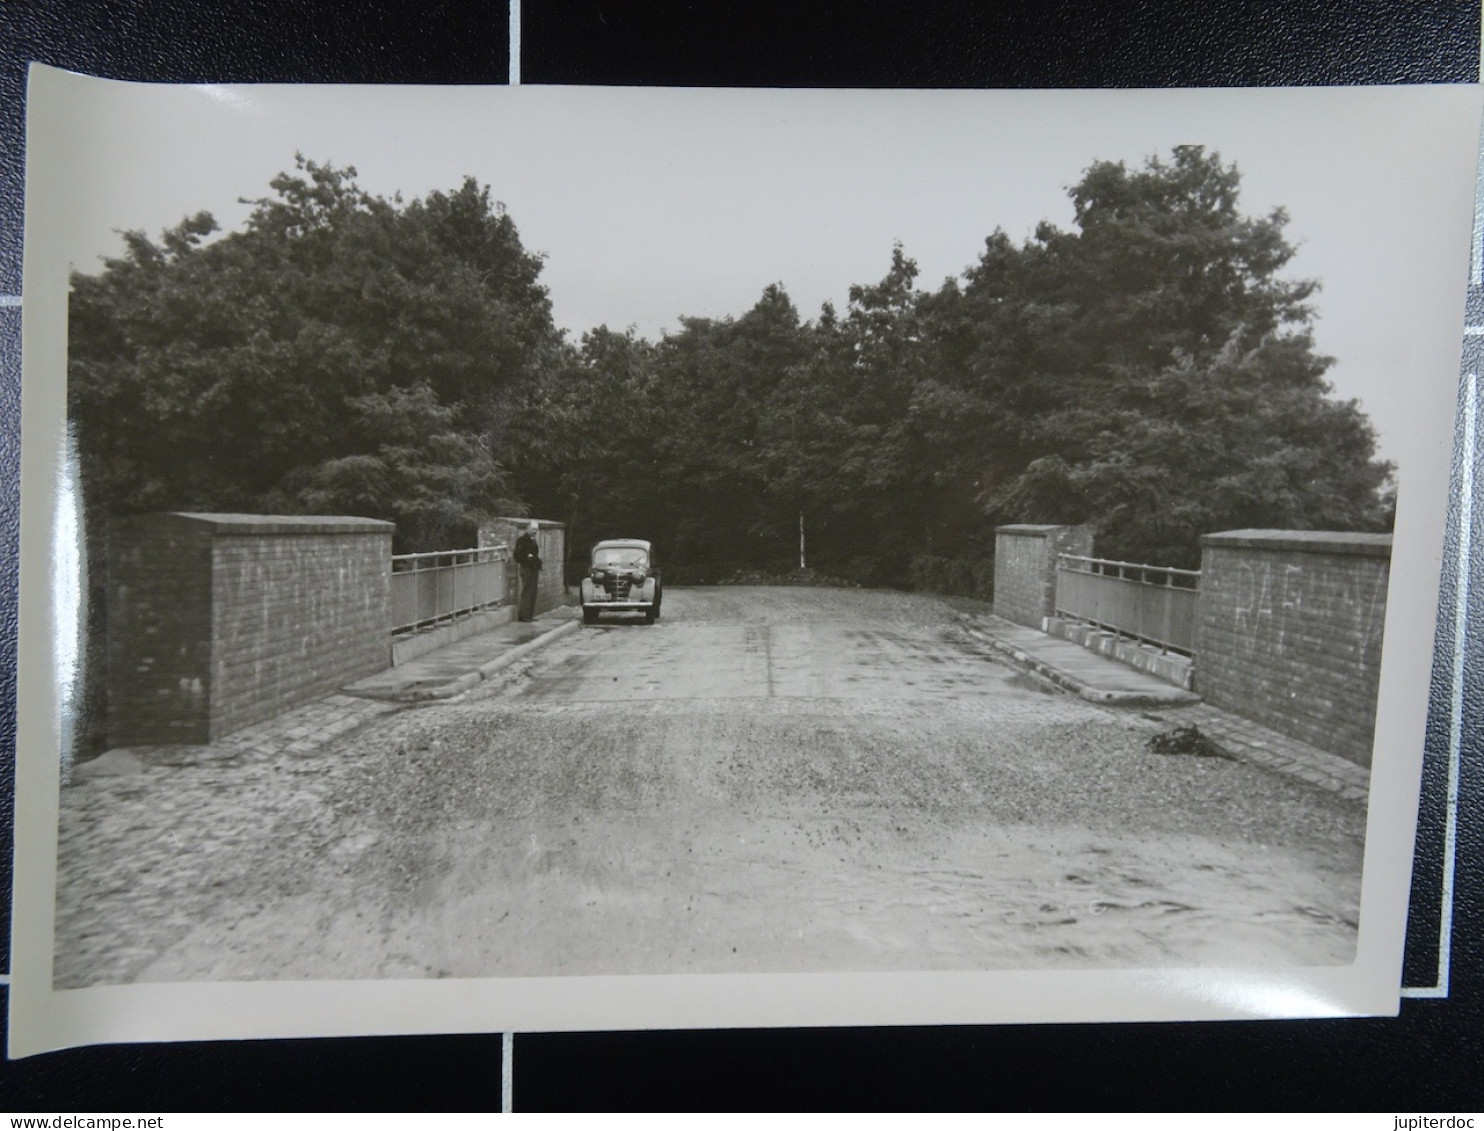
(618, 558)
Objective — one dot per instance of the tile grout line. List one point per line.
(7, 301)
(513, 75)
(507, 1070)
(1455, 737)
(1460, 615)
(507, 1039)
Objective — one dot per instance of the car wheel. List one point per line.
(650, 613)
(589, 616)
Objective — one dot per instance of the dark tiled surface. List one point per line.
(365, 1074)
(10, 525)
(452, 41)
(1427, 1056)
(949, 43)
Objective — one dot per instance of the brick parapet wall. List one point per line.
(551, 591)
(1290, 632)
(297, 616)
(1025, 568)
(254, 615)
(159, 632)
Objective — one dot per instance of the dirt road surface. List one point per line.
(768, 779)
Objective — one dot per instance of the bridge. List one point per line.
(768, 779)
(217, 622)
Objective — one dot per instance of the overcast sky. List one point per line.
(651, 204)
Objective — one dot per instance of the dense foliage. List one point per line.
(343, 354)
(1150, 372)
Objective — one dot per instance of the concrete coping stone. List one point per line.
(251, 524)
(1304, 542)
(1029, 530)
(543, 523)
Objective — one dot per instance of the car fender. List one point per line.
(587, 591)
(650, 586)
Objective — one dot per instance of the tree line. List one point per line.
(1151, 371)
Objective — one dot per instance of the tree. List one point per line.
(586, 434)
(1151, 371)
(721, 381)
(1154, 374)
(341, 351)
(840, 446)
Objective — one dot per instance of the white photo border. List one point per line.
(43, 1018)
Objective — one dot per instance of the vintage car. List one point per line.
(623, 577)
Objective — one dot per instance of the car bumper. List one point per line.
(643, 596)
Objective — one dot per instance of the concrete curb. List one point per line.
(488, 669)
(1175, 698)
(1243, 740)
(472, 679)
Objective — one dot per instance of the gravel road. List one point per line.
(768, 779)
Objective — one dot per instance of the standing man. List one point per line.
(528, 557)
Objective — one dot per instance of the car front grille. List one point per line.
(619, 587)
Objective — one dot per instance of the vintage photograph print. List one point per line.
(577, 558)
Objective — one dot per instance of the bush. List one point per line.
(956, 577)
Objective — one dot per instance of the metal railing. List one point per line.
(429, 589)
(1154, 604)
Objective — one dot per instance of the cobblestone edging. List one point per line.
(140, 826)
(1243, 739)
(300, 733)
(1252, 742)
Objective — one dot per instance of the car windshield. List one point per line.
(623, 557)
